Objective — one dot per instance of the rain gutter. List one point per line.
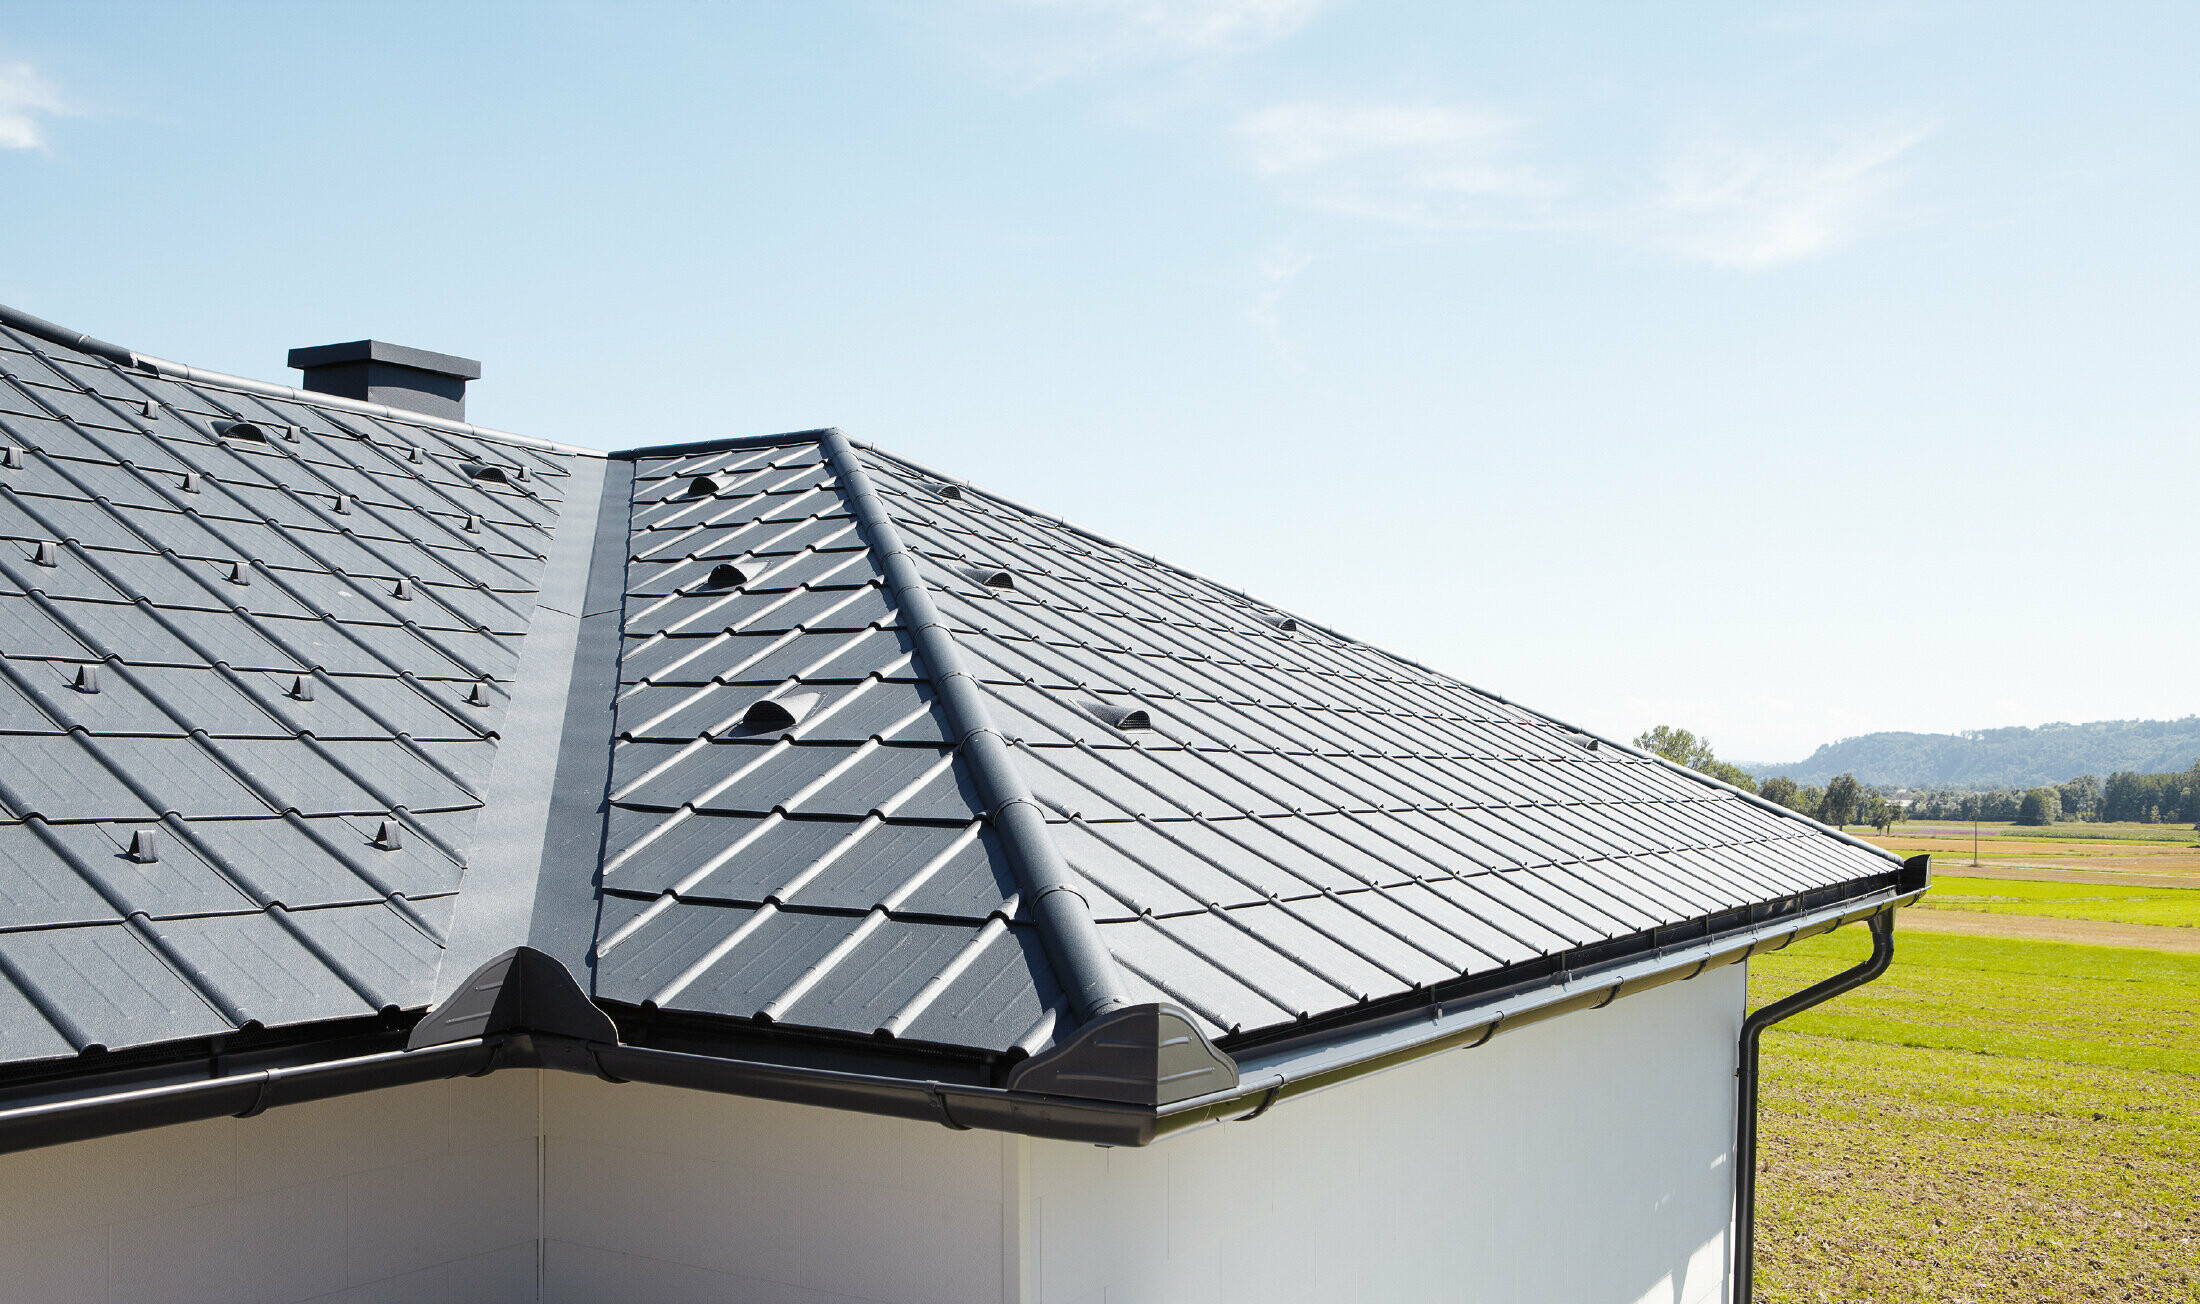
(1081, 960)
(237, 1095)
(1271, 1075)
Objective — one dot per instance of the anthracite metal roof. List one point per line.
(776, 765)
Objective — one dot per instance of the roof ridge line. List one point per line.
(1083, 964)
(53, 333)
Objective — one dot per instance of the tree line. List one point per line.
(2125, 797)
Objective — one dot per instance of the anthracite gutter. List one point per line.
(1745, 1112)
(1288, 1070)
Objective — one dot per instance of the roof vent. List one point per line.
(241, 430)
(11, 458)
(416, 380)
(149, 409)
(190, 482)
(953, 491)
(238, 574)
(301, 688)
(726, 575)
(701, 486)
(473, 523)
(1126, 718)
(47, 553)
(992, 577)
(87, 679)
(1581, 740)
(388, 837)
(402, 590)
(488, 474)
(780, 714)
(343, 504)
(479, 695)
(413, 453)
(1284, 623)
(145, 847)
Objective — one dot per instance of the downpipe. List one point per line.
(1745, 1142)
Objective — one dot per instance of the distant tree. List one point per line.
(1728, 772)
(2081, 797)
(1881, 813)
(1838, 806)
(1684, 748)
(1809, 800)
(1781, 789)
(1676, 745)
(2039, 807)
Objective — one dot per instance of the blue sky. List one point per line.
(1781, 372)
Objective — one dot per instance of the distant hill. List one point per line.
(2001, 758)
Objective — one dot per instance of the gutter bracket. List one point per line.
(1143, 1055)
(521, 990)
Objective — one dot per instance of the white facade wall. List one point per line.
(1580, 1160)
(416, 1195)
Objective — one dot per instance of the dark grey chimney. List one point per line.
(390, 374)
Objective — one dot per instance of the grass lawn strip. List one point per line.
(1993, 1120)
(2166, 907)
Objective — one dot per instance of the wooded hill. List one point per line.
(1999, 758)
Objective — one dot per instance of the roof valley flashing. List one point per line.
(771, 765)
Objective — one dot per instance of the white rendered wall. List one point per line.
(680, 1197)
(1579, 1161)
(416, 1195)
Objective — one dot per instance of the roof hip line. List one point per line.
(1082, 962)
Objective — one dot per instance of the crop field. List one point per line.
(1993, 1120)
(2164, 907)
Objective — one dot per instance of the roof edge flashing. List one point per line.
(520, 990)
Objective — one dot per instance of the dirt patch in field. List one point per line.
(2087, 932)
(2057, 874)
(2166, 865)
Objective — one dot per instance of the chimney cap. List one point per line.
(442, 364)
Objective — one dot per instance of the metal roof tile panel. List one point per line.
(195, 714)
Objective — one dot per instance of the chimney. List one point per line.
(391, 374)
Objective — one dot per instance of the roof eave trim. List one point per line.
(1358, 1051)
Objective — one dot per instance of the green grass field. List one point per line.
(2172, 907)
(1992, 1120)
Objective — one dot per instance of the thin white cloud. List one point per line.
(1747, 205)
(1420, 165)
(1047, 40)
(1758, 205)
(25, 97)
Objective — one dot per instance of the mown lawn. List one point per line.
(1993, 1120)
(2171, 907)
